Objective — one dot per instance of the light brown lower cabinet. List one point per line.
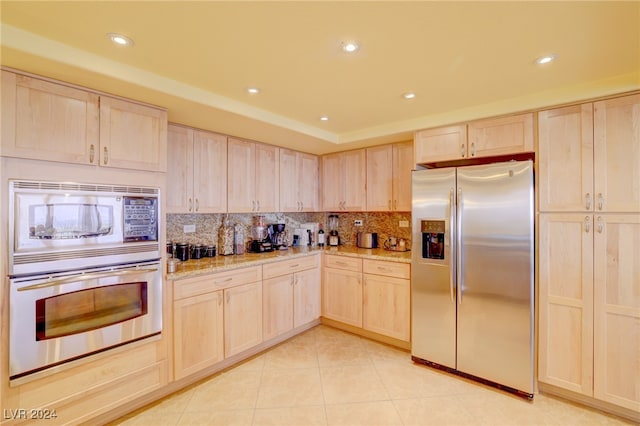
(386, 300)
(589, 325)
(198, 327)
(242, 318)
(373, 295)
(342, 289)
(290, 295)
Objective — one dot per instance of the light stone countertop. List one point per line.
(210, 265)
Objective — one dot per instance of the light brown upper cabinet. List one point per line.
(389, 177)
(298, 181)
(197, 172)
(44, 120)
(344, 181)
(589, 157)
(483, 138)
(253, 184)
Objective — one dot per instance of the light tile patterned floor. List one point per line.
(329, 377)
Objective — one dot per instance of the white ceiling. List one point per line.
(464, 60)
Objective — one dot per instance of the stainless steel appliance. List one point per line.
(367, 239)
(84, 271)
(260, 242)
(59, 317)
(277, 236)
(58, 225)
(472, 269)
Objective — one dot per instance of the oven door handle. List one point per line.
(87, 277)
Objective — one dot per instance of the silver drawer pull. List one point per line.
(294, 266)
(223, 281)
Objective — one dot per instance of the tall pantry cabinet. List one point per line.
(589, 246)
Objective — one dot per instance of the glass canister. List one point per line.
(225, 238)
(238, 239)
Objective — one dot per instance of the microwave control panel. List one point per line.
(140, 219)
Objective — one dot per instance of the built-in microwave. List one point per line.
(59, 226)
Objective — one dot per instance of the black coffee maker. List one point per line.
(277, 235)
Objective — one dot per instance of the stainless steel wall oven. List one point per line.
(85, 271)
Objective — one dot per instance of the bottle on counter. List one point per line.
(320, 237)
(225, 237)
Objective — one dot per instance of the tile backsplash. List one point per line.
(386, 224)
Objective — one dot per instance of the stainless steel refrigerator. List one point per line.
(472, 272)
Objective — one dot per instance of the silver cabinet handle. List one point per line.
(253, 205)
(587, 224)
(190, 204)
(473, 149)
(197, 204)
(395, 204)
(258, 205)
(463, 150)
(228, 297)
(587, 201)
(301, 206)
(105, 159)
(219, 299)
(600, 201)
(92, 153)
(600, 225)
(223, 281)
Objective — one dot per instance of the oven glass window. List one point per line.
(73, 220)
(89, 309)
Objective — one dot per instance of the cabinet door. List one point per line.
(402, 166)
(565, 353)
(209, 172)
(380, 178)
(306, 296)
(242, 318)
(386, 306)
(565, 154)
(497, 136)
(354, 178)
(332, 182)
(617, 309)
(277, 306)
(342, 296)
(441, 144)
(289, 181)
(48, 121)
(197, 333)
(267, 186)
(132, 136)
(241, 181)
(180, 170)
(617, 154)
(308, 182)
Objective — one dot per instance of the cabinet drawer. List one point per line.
(343, 262)
(289, 266)
(205, 284)
(390, 269)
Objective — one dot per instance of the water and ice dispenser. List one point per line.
(432, 232)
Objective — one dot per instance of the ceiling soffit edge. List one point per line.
(36, 45)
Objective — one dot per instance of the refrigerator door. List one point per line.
(495, 275)
(433, 305)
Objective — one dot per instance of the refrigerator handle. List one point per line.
(459, 244)
(452, 247)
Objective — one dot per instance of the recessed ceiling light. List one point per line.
(409, 95)
(350, 46)
(253, 90)
(120, 39)
(324, 118)
(546, 59)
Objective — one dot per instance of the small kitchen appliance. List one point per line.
(277, 236)
(260, 241)
(334, 238)
(367, 240)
